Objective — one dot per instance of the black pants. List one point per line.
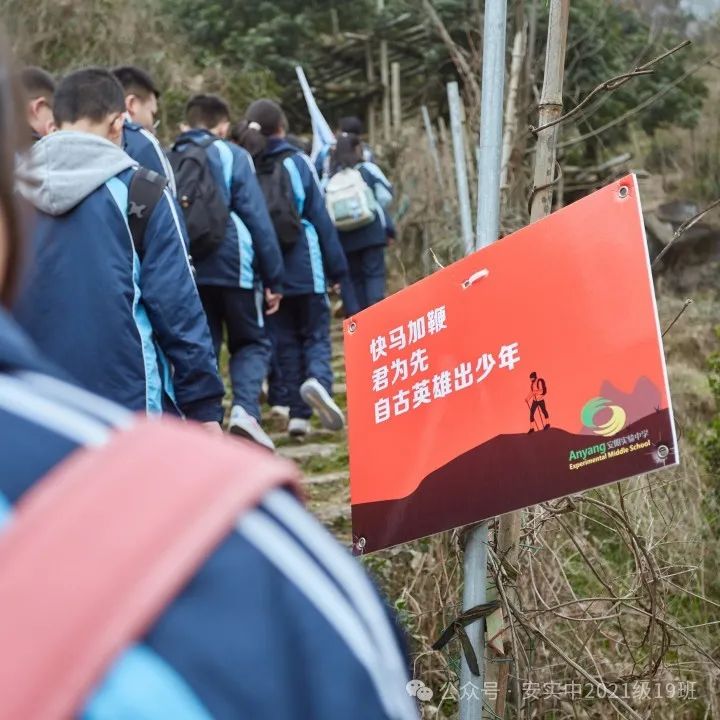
(300, 332)
(240, 312)
(535, 405)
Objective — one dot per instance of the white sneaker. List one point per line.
(317, 397)
(245, 425)
(280, 411)
(298, 427)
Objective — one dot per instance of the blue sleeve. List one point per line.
(143, 147)
(248, 202)
(381, 186)
(334, 261)
(177, 317)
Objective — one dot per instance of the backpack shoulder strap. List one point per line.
(146, 189)
(95, 552)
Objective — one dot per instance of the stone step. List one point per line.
(333, 514)
(327, 478)
(307, 451)
(281, 437)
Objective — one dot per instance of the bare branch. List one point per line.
(612, 84)
(684, 228)
(638, 108)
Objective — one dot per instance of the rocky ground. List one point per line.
(323, 458)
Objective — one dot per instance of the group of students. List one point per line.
(99, 293)
(230, 235)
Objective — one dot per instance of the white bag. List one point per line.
(349, 200)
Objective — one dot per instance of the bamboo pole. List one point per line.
(432, 146)
(550, 109)
(511, 113)
(396, 106)
(371, 108)
(463, 191)
(384, 79)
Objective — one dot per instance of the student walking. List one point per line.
(349, 125)
(356, 194)
(141, 106)
(236, 261)
(111, 303)
(313, 259)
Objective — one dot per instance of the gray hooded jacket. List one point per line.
(63, 168)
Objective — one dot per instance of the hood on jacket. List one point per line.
(280, 145)
(62, 169)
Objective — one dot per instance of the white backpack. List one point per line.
(349, 201)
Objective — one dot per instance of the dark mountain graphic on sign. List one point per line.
(505, 473)
(641, 402)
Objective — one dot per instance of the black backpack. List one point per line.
(279, 197)
(205, 209)
(146, 189)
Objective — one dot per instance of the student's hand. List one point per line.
(273, 301)
(213, 427)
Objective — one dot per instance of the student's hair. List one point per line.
(136, 81)
(352, 125)
(347, 152)
(206, 111)
(263, 119)
(88, 94)
(14, 138)
(37, 83)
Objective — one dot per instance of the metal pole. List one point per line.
(491, 120)
(474, 593)
(460, 167)
(488, 225)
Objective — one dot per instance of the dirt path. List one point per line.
(323, 458)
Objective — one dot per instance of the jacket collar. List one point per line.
(195, 134)
(278, 145)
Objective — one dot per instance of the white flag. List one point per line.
(322, 134)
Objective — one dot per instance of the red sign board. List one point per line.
(527, 371)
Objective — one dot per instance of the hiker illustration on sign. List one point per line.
(434, 441)
(536, 401)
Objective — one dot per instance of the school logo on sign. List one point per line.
(592, 417)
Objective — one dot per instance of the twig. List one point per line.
(684, 228)
(638, 108)
(686, 305)
(598, 684)
(435, 259)
(612, 84)
(455, 53)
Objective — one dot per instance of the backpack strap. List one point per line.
(94, 553)
(267, 163)
(146, 189)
